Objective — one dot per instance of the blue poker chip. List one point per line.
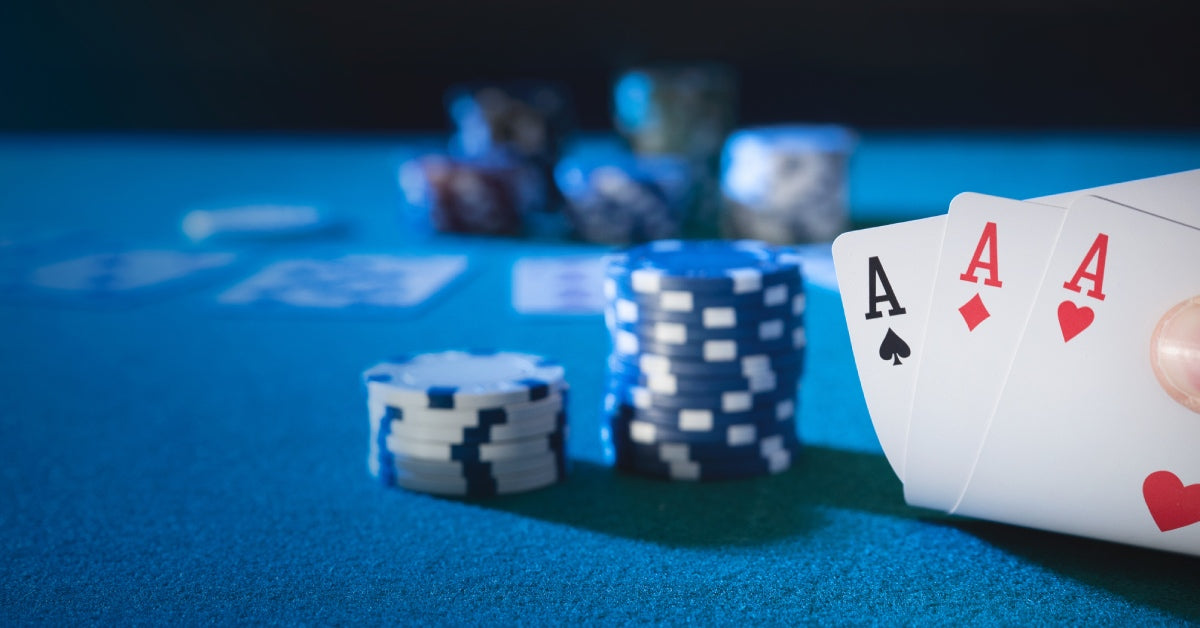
(671, 332)
(773, 295)
(701, 419)
(765, 381)
(700, 472)
(721, 350)
(625, 311)
(620, 198)
(461, 379)
(630, 428)
(708, 453)
(727, 402)
(747, 366)
(720, 267)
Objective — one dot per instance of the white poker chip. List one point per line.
(461, 487)
(461, 379)
(485, 452)
(462, 418)
(456, 469)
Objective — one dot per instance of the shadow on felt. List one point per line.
(1169, 582)
(747, 512)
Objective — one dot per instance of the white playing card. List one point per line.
(992, 258)
(875, 266)
(1170, 196)
(348, 282)
(120, 276)
(559, 285)
(1084, 440)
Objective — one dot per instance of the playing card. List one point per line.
(117, 277)
(348, 283)
(559, 285)
(885, 275)
(1171, 196)
(992, 257)
(1084, 439)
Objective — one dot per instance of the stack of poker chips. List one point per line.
(625, 199)
(488, 196)
(680, 110)
(496, 177)
(467, 424)
(526, 120)
(786, 184)
(708, 341)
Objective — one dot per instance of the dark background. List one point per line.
(376, 65)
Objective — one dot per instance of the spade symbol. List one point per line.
(893, 348)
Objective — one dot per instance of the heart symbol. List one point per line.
(1172, 504)
(1073, 319)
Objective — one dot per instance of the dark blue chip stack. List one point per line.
(467, 424)
(708, 343)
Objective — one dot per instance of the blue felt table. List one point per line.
(175, 462)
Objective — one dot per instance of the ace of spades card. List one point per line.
(884, 276)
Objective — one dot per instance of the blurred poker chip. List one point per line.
(527, 120)
(619, 198)
(490, 196)
(685, 109)
(786, 184)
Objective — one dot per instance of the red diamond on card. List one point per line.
(974, 312)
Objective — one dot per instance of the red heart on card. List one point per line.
(1172, 504)
(1073, 319)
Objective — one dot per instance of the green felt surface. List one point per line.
(175, 461)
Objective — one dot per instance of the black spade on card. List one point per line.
(893, 348)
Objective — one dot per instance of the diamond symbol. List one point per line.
(974, 312)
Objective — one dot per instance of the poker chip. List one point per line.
(527, 119)
(708, 341)
(624, 199)
(694, 462)
(727, 402)
(701, 419)
(467, 423)
(786, 184)
(669, 384)
(748, 366)
(676, 109)
(487, 195)
(717, 350)
(738, 267)
(778, 297)
(690, 470)
(461, 379)
(628, 425)
(621, 310)
(670, 332)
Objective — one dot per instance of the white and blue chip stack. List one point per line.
(708, 346)
(467, 423)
